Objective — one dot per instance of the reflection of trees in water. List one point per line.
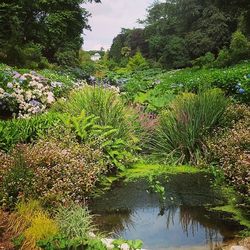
(115, 221)
(192, 220)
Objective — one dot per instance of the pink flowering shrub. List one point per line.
(230, 148)
(58, 171)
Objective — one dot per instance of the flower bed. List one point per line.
(23, 95)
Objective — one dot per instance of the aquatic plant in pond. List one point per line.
(156, 186)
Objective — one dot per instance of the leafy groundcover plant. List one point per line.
(26, 130)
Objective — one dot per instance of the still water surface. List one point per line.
(183, 222)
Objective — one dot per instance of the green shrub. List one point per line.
(238, 51)
(224, 58)
(62, 242)
(25, 130)
(137, 62)
(239, 47)
(102, 103)
(17, 182)
(205, 61)
(32, 57)
(63, 170)
(179, 135)
(67, 58)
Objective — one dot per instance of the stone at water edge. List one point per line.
(108, 243)
(239, 248)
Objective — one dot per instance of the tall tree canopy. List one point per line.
(178, 31)
(47, 28)
(133, 39)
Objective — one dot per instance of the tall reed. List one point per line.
(179, 136)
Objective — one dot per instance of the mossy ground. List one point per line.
(143, 170)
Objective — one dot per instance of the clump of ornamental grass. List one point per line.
(42, 227)
(179, 135)
(20, 220)
(30, 224)
(75, 222)
(104, 104)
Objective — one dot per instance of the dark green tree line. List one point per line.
(179, 31)
(37, 31)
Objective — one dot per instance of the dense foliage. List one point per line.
(26, 130)
(156, 89)
(230, 148)
(177, 32)
(179, 136)
(33, 33)
(70, 124)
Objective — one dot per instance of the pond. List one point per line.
(183, 221)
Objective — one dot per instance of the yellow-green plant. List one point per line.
(32, 223)
(42, 227)
(20, 220)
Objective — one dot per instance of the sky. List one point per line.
(109, 17)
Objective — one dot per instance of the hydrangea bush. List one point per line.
(27, 94)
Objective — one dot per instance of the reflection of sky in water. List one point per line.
(162, 232)
(185, 224)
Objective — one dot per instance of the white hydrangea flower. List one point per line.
(9, 85)
(50, 98)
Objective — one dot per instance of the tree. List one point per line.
(115, 52)
(137, 62)
(239, 47)
(54, 26)
(175, 54)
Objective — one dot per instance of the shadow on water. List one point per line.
(128, 210)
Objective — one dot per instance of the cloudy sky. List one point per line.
(109, 17)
